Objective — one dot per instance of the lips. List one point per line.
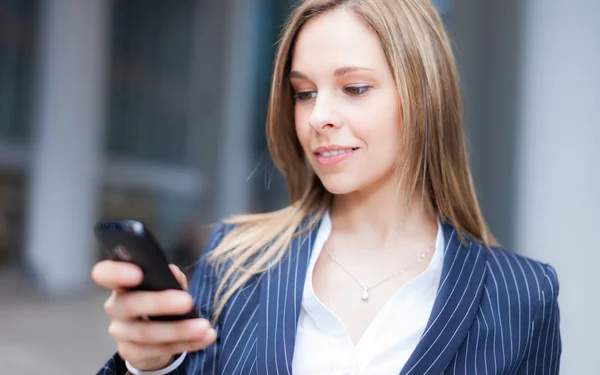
(333, 150)
(333, 155)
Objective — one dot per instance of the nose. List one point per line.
(323, 115)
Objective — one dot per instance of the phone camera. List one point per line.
(122, 253)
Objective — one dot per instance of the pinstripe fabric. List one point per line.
(495, 313)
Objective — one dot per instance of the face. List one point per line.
(346, 103)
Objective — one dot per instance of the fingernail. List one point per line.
(204, 324)
(198, 327)
(183, 300)
(211, 335)
(132, 273)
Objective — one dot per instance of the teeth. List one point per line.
(334, 153)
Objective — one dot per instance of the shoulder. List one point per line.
(517, 276)
(206, 275)
(521, 294)
(217, 233)
(205, 270)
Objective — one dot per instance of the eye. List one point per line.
(303, 96)
(356, 90)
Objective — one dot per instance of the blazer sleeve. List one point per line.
(202, 289)
(544, 352)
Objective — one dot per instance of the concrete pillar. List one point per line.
(558, 163)
(66, 160)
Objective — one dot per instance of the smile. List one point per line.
(335, 152)
(329, 158)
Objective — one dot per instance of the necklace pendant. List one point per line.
(365, 294)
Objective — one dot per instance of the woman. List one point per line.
(383, 263)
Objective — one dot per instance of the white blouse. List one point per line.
(323, 346)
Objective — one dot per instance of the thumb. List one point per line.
(180, 276)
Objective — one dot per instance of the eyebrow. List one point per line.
(338, 72)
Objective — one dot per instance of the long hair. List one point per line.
(434, 157)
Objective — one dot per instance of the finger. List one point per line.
(110, 302)
(139, 353)
(179, 275)
(143, 332)
(116, 274)
(132, 305)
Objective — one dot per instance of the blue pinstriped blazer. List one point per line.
(495, 313)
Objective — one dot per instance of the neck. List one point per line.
(380, 215)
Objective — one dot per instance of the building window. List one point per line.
(149, 80)
(12, 189)
(17, 37)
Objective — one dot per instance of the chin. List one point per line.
(338, 185)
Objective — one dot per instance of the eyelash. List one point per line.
(356, 90)
(300, 96)
(362, 89)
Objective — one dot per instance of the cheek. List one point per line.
(302, 127)
(382, 147)
(382, 140)
(380, 128)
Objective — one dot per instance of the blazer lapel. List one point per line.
(280, 301)
(454, 308)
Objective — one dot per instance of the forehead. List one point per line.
(337, 38)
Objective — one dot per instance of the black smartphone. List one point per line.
(132, 241)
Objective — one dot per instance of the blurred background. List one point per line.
(155, 110)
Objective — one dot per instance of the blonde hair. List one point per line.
(434, 149)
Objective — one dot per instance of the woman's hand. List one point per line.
(149, 345)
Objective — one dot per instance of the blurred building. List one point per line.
(155, 110)
(146, 109)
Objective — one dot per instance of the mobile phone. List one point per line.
(131, 241)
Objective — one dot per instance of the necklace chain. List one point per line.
(365, 289)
